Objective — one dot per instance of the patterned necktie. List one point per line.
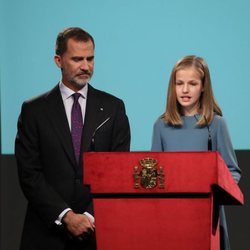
(76, 126)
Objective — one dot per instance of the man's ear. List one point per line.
(58, 61)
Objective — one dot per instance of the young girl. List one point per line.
(193, 120)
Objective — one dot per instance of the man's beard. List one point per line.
(79, 83)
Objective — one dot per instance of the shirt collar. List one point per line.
(67, 92)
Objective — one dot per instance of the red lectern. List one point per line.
(153, 200)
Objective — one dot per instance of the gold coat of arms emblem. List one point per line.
(148, 174)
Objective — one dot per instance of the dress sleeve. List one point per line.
(225, 148)
(156, 138)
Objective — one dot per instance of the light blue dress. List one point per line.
(191, 137)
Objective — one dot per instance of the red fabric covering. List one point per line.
(181, 216)
(141, 224)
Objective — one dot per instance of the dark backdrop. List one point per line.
(13, 205)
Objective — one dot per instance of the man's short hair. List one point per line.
(75, 33)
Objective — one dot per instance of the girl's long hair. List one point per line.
(207, 103)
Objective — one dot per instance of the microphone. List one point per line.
(209, 141)
(93, 135)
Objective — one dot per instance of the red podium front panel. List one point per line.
(173, 223)
(182, 215)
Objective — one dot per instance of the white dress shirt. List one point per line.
(68, 100)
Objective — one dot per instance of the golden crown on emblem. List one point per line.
(148, 162)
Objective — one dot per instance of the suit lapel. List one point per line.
(91, 117)
(57, 115)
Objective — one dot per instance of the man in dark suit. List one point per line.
(59, 213)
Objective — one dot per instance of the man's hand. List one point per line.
(78, 224)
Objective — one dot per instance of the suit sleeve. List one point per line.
(41, 196)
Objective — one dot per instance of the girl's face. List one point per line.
(188, 86)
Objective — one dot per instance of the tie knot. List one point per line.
(76, 96)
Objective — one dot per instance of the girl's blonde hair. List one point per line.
(208, 104)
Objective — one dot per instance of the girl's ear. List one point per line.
(202, 90)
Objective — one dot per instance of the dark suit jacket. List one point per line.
(47, 168)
